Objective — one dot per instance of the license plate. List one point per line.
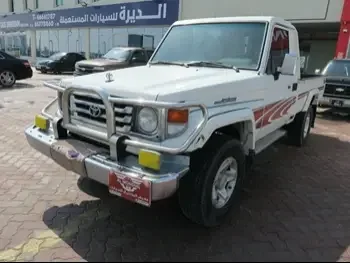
(338, 103)
(130, 188)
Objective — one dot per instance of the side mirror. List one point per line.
(289, 65)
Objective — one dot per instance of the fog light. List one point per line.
(150, 159)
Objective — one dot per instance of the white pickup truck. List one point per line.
(215, 93)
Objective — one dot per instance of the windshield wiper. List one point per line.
(211, 64)
(168, 63)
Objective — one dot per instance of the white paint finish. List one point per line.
(173, 83)
(177, 83)
(296, 10)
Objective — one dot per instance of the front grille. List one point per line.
(334, 90)
(89, 109)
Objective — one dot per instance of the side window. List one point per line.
(139, 56)
(279, 47)
(71, 57)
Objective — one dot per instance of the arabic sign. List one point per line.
(128, 14)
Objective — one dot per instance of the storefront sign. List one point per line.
(145, 13)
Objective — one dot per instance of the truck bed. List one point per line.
(309, 82)
(309, 76)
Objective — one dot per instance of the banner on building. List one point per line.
(145, 13)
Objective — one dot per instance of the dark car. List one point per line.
(59, 62)
(337, 83)
(116, 58)
(13, 69)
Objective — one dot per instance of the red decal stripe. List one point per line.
(273, 111)
(279, 112)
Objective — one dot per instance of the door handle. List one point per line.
(294, 86)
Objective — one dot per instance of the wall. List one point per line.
(320, 53)
(299, 10)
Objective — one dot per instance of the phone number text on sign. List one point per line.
(44, 23)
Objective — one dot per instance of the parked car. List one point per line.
(13, 69)
(191, 121)
(337, 84)
(59, 62)
(116, 58)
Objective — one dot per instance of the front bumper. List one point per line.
(97, 162)
(93, 162)
(334, 102)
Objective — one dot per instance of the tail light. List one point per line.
(27, 64)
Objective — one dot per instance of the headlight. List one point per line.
(147, 120)
(99, 68)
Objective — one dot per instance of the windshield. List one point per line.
(57, 56)
(337, 68)
(117, 54)
(233, 44)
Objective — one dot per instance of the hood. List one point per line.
(100, 62)
(172, 83)
(337, 80)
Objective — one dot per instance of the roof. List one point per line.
(270, 19)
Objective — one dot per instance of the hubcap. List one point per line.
(224, 182)
(7, 78)
(307, 124)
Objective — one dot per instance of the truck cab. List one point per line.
(215, 93)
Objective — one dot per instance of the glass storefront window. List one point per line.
(53, 41)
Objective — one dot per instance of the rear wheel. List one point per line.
(214, 181)
(7, 78)
(299, 129)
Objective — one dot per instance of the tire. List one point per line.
(299, 130)
(43, 71)
(196, 189)
(7, 79)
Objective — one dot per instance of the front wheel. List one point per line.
(214, 181)
(7, 78)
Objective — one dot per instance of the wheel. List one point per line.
(299, 129)
(213, 184)
(43, 71)
(7, 78)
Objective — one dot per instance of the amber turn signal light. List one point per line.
(177, 116)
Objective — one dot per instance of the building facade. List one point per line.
(39, 28)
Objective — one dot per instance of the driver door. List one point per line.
(280, 92)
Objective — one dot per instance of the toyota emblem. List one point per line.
(109, 77)
(95, 111)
